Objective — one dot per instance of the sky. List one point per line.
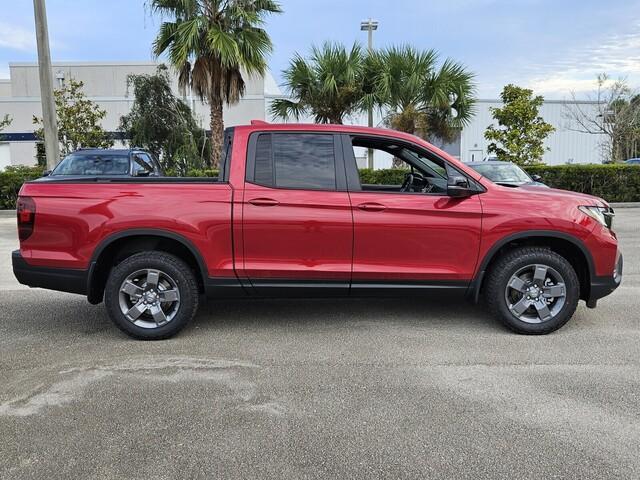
(554, 47)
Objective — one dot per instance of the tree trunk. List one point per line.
(217, 131)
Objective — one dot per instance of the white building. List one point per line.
(566, 145)
(106, 84)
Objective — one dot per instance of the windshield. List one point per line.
(93, 164)
(504, 172)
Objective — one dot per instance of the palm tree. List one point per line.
(420, 98)
(211, 43)
(327, 86)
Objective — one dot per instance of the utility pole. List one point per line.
(51, 145)
(369, 26)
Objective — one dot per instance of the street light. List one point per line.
(369, 26)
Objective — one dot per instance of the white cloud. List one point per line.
(617, 55)
(562, 84)
(17, 38)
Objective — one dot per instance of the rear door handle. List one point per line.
(371, 207)
(263, 202)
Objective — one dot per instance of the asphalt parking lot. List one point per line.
(319, 389)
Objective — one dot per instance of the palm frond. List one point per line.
(166, 36)
(285, 109)
(177, 8)
(201, 78)
(452, 88)
(254, 46)
(186, 41)
(184, 77)
(224, 45)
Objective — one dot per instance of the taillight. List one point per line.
(26, 211)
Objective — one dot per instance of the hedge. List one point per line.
(614, 183)
(388, 176)
(10, 182)
(194, 172)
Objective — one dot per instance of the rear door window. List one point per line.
(295, 160)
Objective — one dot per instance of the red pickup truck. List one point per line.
(292, 214)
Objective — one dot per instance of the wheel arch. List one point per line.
(123, 244)
(570, 247)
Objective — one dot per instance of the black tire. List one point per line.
(185, 283)
(514, 261)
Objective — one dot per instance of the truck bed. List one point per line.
(74, 216)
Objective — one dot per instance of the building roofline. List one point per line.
(87, 64)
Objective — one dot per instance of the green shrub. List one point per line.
(387, 176)
(10, 182)
(202, 173)
(193, 172)
(614, 183)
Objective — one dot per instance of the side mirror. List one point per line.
(458, 187)
(536, 178)
(143, 173)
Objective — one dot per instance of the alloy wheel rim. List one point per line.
(535, 293)
(149, 298)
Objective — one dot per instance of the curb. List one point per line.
(7, 214)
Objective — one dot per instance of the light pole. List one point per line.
(50, 124)
(369, 26)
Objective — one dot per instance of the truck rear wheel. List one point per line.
(151, 295)
(532, 290)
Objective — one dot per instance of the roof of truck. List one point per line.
(108, 151)
(261, 125)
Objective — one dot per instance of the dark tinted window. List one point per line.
(93, 164)
(264, 161)
(226, 155)
(304, 161)
(296, 160)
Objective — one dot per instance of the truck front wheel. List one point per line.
(532, 290)
(151, 295)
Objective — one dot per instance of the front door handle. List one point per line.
(371, 207)
(263, 202)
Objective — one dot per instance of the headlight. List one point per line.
(603, 215)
